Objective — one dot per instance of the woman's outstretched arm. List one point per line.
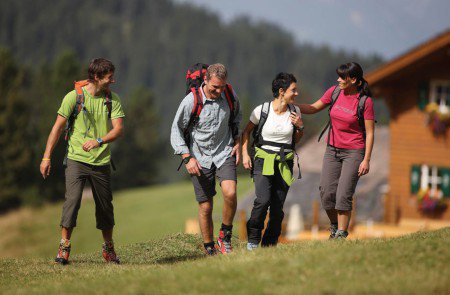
(311, 108)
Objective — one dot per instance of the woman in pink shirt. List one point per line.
(349, 143)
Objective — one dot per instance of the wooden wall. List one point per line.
(412, 141)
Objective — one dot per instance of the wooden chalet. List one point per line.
(416, 89)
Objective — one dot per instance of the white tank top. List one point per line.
(278, 128)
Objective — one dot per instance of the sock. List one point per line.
(210, 245)
(226, 227)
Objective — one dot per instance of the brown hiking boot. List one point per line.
(109, 254)
(63, 252)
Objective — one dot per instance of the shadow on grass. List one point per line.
(169, 250)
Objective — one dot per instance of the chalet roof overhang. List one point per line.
(434, 50)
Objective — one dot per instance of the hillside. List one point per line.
(44, 48)
(414, 264)
(153, 43)
(141, 214)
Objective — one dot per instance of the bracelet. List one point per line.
(46, 159)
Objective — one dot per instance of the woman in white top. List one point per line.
(277, 126)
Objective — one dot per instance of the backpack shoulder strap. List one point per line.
(335, 95)
(80, 96)
(79, 105)
(195, 112)
(230, 97)
(198, 102)
(292, 108)
(262, 120)
(229, 94)
(264, 114)
(360, 111)
(108, 102)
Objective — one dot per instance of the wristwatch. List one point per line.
(100, 141)
(187, 159)
(301, 128)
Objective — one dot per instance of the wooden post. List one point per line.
(242, 225)
(316, 208)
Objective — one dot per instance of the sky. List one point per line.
(387, 28)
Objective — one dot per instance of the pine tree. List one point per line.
(15, 149)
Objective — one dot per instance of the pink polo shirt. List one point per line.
(346, 132)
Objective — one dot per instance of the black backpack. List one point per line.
(259, 141)
(359, 112)
(194, 79)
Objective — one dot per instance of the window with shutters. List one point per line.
(431, 180)
(431, 184)
(434, 99)
(440, 94)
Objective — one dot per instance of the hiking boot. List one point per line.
(224, 242)
(210, 250)
(341, 234)
(109, 254)
(63, 252)
(251, 246)
(333, 230)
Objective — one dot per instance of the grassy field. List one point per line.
(141, 214)
(414, 264)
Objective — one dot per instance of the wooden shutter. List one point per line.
(445, 185)
(423, 95)
(415, 179)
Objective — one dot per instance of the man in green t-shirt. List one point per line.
(88, 154)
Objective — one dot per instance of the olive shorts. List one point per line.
(100, 179)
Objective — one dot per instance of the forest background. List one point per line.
(152, 43)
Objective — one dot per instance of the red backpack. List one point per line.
(194, 79)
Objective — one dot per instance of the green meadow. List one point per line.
(140, 214)
(157, 258)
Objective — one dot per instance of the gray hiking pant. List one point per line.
(339, 177)
(100, 179)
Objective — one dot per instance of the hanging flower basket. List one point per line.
(429, 202)
(438, 118)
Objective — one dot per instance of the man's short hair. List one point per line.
(100, 67)
(217, 70)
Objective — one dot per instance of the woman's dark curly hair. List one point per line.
(282, 80)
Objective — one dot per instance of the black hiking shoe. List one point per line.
(341, 234)
(333, 230)
(210, 250)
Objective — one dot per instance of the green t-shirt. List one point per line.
(91, 123)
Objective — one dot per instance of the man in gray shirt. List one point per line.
(213, 150)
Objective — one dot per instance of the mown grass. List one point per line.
(140, 214)
(413, 264)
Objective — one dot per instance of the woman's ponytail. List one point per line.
(363, 88)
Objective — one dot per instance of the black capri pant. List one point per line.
(270, 192)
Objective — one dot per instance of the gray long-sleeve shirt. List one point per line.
(211, 139)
